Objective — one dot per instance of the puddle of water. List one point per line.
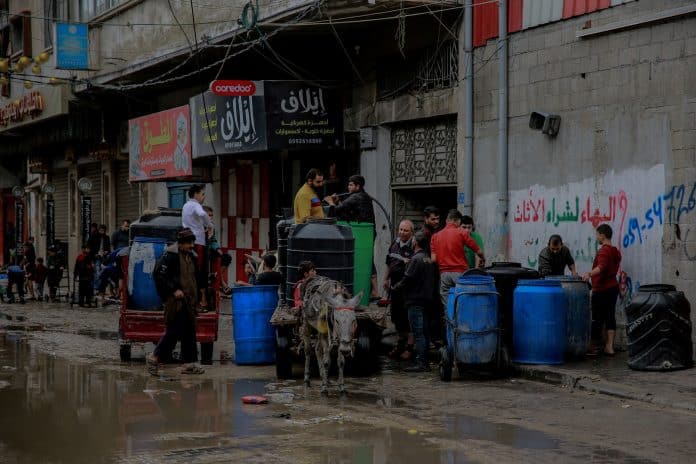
(473, 428)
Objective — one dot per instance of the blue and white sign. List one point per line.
(73, 46)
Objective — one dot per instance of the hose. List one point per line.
(250, 15)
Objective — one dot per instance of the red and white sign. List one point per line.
(160, 145)
(233, 88)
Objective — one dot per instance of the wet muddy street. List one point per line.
(65, 398)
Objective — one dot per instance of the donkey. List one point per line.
(330, 313)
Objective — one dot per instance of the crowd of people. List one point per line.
(422, 266)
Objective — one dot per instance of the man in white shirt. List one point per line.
(194, 217)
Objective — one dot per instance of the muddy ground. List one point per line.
(66, 398)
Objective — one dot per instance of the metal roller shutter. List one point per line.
(93, 173)
(60, 196)
(127, 195)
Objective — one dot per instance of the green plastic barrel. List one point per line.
(364, 234)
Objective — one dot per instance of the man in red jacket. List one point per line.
(605, 290)
(447, 249)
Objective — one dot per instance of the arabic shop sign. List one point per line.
(301, 115)
(160, 145)
(228, 124)
(29, 105)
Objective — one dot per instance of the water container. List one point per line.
(506, 275)
(142, 257)
(474, 320)
(254, 336)
(449, 313)
(328, 245)
(579, 315)
(163, 223)
(539, 322)
(283, 231)
(658, 326)
(364, 234)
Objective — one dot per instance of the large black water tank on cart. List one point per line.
(658, 326)
(161, 223)
(506, 275)
(282, 232)
(328, 245)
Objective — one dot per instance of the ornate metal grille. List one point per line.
(424, 154)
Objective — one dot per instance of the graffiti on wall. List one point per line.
(633, 202)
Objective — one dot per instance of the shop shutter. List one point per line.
(127, 195)
(60, 196)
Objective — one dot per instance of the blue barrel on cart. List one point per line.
(254, 336)
(142, 258)
(473, 320)
(539, 322)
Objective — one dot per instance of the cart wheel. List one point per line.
(125, 352)
(445, 365)
(363, 360)
(283, 355)
(207, 353)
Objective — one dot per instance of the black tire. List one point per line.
(125, 352)
(445, 365)
(207, 353)
(283, 355)
(364, 359)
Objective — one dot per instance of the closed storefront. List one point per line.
(93, 173)
(127, 195)
(60, 198)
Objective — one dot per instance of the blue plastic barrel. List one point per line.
(473, 320)
(539, 322)
(578, 316)
(142, 257)
(450, 317)
(254, 336)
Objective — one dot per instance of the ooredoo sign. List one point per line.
(233, 88)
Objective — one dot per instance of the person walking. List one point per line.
(417, 286)
(40, 273)
(307, 203)
(194, 218)
(605, 290)
(555, 257)
(15, 278)
(447, 249)
(357, 207)
(175, 282)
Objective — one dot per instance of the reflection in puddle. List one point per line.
(54, 411)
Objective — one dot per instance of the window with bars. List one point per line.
(54, 11)
(90, 9)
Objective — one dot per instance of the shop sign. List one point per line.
(72, 46)
(38, 164)
(232, 88)
(19, 224)
(228, 124)
(85, 216)
(160, 145)
(302, 116)
(28, 105)
(50, 222)
(103, 152)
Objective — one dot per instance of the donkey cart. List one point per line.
(371, 321)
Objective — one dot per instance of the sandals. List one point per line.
(192, 370)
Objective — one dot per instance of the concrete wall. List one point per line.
(624, 155)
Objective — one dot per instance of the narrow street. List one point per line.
(61, 382)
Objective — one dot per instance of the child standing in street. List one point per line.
(40, 273)
(84, 273)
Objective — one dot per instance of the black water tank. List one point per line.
(328, 245)
(658, 326)
(506, 275)
(162, 223)
(282, 232)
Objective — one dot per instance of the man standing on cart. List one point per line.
(175, 280)
(307, 202)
